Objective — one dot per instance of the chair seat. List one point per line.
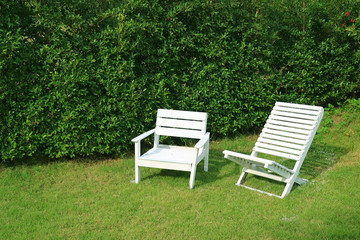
(171, 154)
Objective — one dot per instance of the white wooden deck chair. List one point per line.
(175, 123)
(288, 133)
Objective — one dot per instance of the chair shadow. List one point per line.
(216, 163)
(318, 160)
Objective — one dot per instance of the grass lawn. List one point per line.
(95, 199)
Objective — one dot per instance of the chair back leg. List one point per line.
(242, 177)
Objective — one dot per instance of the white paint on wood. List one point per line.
(293, 115)
(175, 123)
(281, 143)
(179, 114)
(288, 133)
(290, 124)
(177, 132)
(281, 138)
(294, 120)
(287, 129)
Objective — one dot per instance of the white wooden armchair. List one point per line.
(288, 133)
(175, 123)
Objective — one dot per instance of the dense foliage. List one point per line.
(83, 77)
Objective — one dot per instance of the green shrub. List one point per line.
(84, 77)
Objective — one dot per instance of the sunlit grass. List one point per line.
(95, 199)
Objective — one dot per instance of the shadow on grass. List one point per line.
(43, 160)
(216, 163)
(319, 159)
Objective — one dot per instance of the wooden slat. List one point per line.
(286, 134)
(174, 154)
(176, 123)
(289, 124)
(176, 132)
(280, 143)
(275, 153)
(301, 106)
(266, 175)
(253, 159)
(287, 129)
(294, 115)
(277, 148)
(281, 138)
(178, 114)
(297, 110)
(295, 120)
(165, 165)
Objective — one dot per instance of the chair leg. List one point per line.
(192, 176)
(206, 162)
(137, 168)
(288, 188)
(242, 177)
(137, 174)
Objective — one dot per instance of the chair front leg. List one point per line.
(137, 168)
(193, 170)
(206, 162)
(192, 176)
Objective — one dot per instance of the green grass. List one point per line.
(94, 198)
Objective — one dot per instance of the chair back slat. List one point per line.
(281, 143)
(293, 115)
(294, 120)
(278, 148)
(290, 124)
(178, 123)
(281, 138)
(283, 133)
(289, 130)
(277, 153)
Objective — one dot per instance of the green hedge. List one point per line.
(84, 77)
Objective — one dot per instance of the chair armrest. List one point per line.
(247, 157)
(142, 136)
(258, 161)
(203, 140)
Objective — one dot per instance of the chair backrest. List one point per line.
(289, 130)
(176, 123)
